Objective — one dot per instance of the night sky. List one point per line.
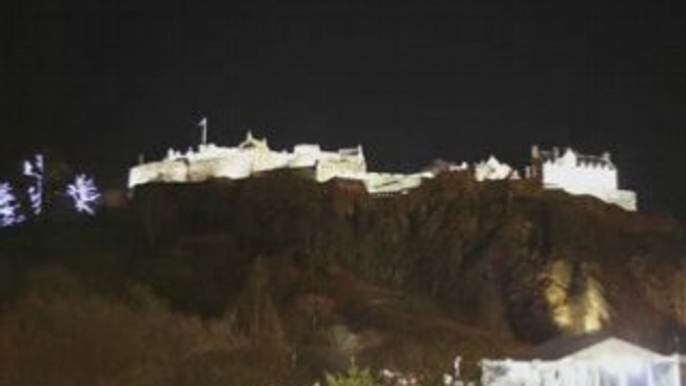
(456, 80)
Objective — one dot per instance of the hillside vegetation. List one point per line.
(276, 280)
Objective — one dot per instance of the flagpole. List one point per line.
(203, 123)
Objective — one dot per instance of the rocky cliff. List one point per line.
(321, 274)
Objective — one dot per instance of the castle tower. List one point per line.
(579, 174)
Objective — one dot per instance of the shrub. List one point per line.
(355, 376)
(62, 333)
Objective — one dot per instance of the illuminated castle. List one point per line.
(569, 171)
(250, 157)
(253, 157)
(579, 174)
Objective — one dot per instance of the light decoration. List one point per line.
(35, 169)
(84, 194)
(9, 208)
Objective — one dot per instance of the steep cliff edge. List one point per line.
(505, 256)
(305, 276)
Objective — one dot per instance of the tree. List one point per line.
(9, 207)
(35, 169)
(84, 194)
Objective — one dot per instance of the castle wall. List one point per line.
(338, 166)
(626, 199)
(579, 174)
(492, 169)
(207, 152)
(592, 175)
(163, 171)
(264, 160)
(251, 157)
(385, 183)
(236, 166)
(305, 155)
(579, 179)
(599, 181)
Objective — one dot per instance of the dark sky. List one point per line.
(453, 79)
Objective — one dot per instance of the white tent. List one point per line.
(606, 362)
(615, 348)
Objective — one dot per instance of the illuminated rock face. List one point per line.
(580, 174)
(575, 298)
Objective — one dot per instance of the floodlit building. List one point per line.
(492, 169)
(393, 183)
(590, 360)
(251, 157)
(578, 174)
(568, 171)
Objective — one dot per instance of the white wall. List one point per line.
(164, 171)
(236, 166)
(339, 166)
(579, 179)
(597, 181)
(242, 162)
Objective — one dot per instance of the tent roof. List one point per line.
(590, 347)
(615, 347)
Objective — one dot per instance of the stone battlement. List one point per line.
(569, 170)
(250, 157)
(579, 174)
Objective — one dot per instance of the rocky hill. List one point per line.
(223, 279)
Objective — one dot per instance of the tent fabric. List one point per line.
(589, 360)
(587, 346)
(570, 372)
(616, 348)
